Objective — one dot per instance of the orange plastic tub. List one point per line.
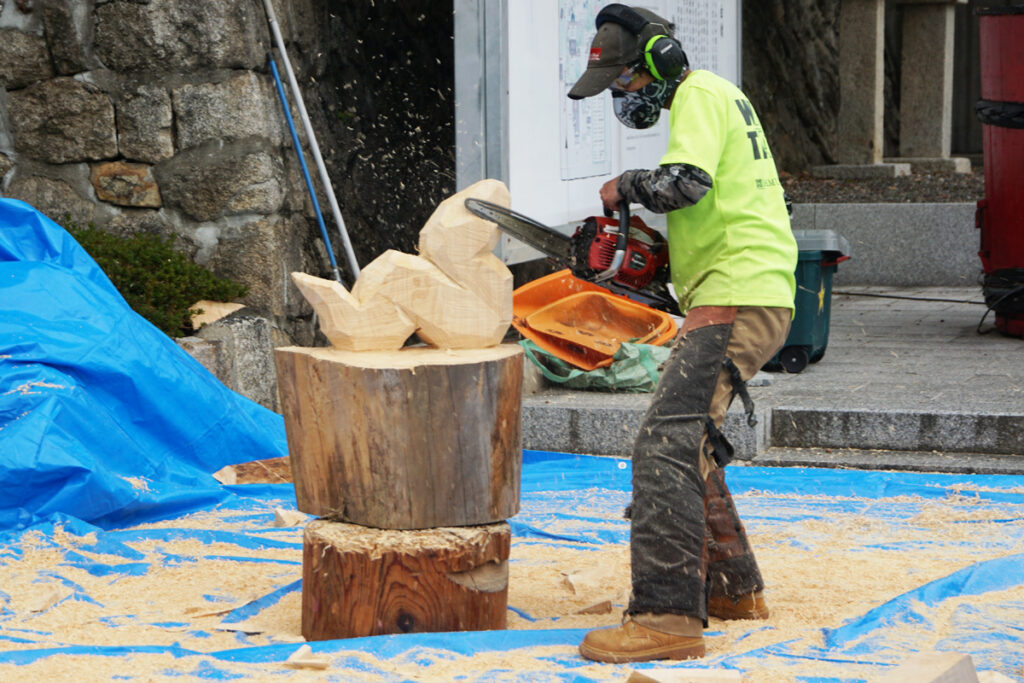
(582, 323)
(547, 290)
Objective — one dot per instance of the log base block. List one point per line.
(359, 581)
(410, 439)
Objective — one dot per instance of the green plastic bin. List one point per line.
(821, 251)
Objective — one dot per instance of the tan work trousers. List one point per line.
(686, 539)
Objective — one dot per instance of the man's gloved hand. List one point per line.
(610, 196)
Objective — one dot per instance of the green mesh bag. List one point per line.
(635, 368)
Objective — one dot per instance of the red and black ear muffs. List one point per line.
(662, 54)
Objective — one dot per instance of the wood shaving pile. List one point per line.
(820, 571)
(377, 542)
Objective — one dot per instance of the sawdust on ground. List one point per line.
(820, 572)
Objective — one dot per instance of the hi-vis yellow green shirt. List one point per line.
(735, 246)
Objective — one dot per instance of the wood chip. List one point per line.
(687, 675)
(226, 475)
(284, 517)
(586, 580)
(47, 598)
(200, 612)
(303, 658)
(603, 607)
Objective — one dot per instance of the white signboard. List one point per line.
(586, 127)
(558, 152)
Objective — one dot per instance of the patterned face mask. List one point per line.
(642, 108)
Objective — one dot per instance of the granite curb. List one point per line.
(907, 382)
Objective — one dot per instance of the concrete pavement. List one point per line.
(906, 383)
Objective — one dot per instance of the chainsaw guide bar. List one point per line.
(537, 235)
(635, 267)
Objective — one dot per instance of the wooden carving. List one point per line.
(410, 455)
(455, 294)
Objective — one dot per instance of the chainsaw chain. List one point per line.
(579, 254)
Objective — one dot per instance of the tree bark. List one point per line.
(360, 582)
(408, 439)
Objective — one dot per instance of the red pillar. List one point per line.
(1001, 213)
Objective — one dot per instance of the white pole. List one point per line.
(311, 137)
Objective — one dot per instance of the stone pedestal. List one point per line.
(861, 171)
(926, 90)
(926, 80)
(861, 80)
(933, 164)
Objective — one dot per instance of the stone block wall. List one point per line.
(160, 116)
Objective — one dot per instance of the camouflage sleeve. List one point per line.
(665, 188)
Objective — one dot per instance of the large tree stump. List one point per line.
(407, 439)
(358, 581)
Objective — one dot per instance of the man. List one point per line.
(733, 258)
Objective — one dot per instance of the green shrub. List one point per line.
(159, 283)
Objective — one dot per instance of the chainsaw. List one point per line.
(625, 256)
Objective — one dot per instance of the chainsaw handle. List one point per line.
(620, 244)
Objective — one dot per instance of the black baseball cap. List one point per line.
(613, 47)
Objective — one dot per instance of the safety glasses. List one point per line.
(623, 80)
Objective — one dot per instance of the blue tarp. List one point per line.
(106, 424)
(575, 502)
(102, 416)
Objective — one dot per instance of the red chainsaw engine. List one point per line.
(594, 248)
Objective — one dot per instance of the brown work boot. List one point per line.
(749, 606)
(633, 642)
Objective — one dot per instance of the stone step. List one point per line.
(606, 424)
(598, 423)
(895, 430)
(912, 461)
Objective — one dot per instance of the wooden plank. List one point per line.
(933, 667)
(212, 311)
(268, 471)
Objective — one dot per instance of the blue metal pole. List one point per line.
(305, 169)
(314, 148)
